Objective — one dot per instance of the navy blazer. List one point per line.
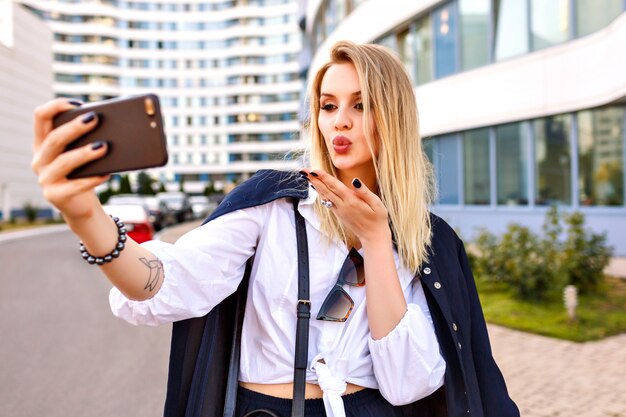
(474, 386)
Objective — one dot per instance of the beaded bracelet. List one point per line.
(101, 260)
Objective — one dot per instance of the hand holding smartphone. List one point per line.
(133, 129)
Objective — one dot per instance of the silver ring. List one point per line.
(326, 203)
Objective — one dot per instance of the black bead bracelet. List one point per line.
(121, 243)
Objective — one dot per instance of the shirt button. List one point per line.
(455, 327)
(459, 345)
(437, 284)
(427, 270)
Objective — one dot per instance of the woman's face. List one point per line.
(340, 120)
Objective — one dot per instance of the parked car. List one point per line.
(160, 215)
(178, 202)
(201, 206)
(136, 218)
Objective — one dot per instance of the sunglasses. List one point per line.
(338, 304)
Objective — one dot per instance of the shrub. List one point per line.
(30, 211)
(585, 255)
(539, 267)
(516, 259)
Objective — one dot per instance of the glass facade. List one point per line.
(601, 157)
(464, 34)
(511, 37)
(424, 49)
(553, 160)
(592, 15)
(445, 40)
(534, 159)
(474, 18)
(512, 164)
(476, 177)
(549, 22)
(443, 152)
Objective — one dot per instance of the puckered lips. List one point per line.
(341, 144)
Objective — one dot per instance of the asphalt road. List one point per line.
(62, 353)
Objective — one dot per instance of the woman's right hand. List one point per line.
(75, 198)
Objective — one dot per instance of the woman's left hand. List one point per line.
(358, 208)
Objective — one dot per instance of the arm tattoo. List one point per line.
(156, 272)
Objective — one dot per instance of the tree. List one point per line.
(144, 183)
(125, 185)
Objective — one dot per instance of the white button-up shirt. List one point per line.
(207, 264)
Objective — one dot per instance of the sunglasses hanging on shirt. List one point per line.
(338, 304)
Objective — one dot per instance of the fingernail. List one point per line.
(75, 103)
(312, 186)
(356, 182)
(97, 145)
(314, 174)
(303, 174)
(89, 117)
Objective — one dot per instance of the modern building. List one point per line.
(227, 73)
(522, 102)
(26, 81)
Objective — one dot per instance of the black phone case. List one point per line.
(135, 138)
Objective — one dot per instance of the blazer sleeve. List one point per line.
(494, 395)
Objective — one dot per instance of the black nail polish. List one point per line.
(314, 174)
(75, 103)
(89, 117)
(97, 145)
(303, 174)
(356, 182)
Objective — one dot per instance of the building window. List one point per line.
(445, 40)
(592, 15)
(553, 160)
(406, 50)
(476, 167)
(444, 155)
(512, 162)
(601, 157)
(474, 21)
(424, 49)
(511, 37)
(549, 22)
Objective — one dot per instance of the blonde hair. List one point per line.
(403, 172)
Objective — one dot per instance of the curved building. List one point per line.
(522, 102)
(227, 73)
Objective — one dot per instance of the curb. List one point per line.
(43, 230)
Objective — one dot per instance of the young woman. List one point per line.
(409, 338)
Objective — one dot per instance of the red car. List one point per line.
(136, 218)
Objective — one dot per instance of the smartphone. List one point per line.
(133, 129)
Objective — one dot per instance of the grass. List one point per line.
(598, 316)
(23, 225)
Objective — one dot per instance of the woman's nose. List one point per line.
(343, 121)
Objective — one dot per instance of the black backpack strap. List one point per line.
(304, 313)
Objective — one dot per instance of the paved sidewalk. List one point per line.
(549, 377)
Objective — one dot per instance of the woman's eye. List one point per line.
(328, 107)
(358, 106)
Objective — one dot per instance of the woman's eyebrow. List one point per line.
(355, 94)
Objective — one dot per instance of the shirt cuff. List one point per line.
(407, 362)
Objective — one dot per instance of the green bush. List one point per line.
(516, 259)
(30, 211)
(585, 255)
(538, 267)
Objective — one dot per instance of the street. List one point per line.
(63, 353)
